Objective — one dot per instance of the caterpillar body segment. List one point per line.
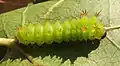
(81, 29)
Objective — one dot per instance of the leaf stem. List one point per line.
(113, 42)
(112, 28)
(29, 57)
(6, 42)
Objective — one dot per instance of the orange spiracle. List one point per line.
(19, 28)
(83, 29)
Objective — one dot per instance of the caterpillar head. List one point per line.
(91, 28)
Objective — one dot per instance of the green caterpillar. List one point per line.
(81, 29)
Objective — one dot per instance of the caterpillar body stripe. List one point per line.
(81, 29)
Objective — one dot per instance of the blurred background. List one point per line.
(9, 5)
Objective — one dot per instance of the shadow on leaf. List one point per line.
(70, 50)
(3, 50)
(64, 50)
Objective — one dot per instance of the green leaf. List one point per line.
(16, 62)
(105, 54)
(46, 61)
